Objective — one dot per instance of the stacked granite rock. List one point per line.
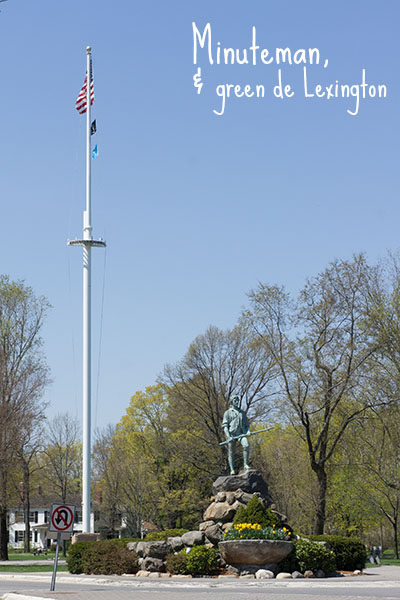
(152, 555)
(230, 493)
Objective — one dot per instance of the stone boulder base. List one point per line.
(254, 552)
(152, 564)
(214, 533)
(264, 574)
(158, 549)
(221, 511)
(250, 481)
(176, 543)
(203, 526)
(284, 575)
(193, 538)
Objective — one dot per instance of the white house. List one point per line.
(39, 520)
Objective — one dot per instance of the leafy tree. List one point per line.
(374, 458)
(350, 511)
(142, 446)
(158, 483)
(324, 353)
(282, 456)
(23, 377)
(28, 453)
(108, 478)
(62, 457)
(216, 365)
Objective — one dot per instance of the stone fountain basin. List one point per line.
(254, 552)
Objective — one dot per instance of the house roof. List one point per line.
(44, 501)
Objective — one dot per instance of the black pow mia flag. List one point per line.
(93, 128)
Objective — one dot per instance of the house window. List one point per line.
(78, 516)
(19, 516)
(19, 536)
(35, 534)
(46, 516)
(33, 516)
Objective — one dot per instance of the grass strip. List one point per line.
(21, 556)
(32, 568)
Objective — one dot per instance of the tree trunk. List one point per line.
(3, 535)
(27, 531)
(396, 543)
(27, 508)
(321, 501)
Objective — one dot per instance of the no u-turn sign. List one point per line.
(62, 518)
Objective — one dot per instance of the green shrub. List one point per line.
(255, 512)
(350, 553)
(291, 562)
(240, 515)
(75, 556)
(177, 563)
(202, 561)
(107, 557)
(159, 536)
(313, 556)
(307, 555)
(123, 541)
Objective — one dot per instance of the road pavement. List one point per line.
(375, 584)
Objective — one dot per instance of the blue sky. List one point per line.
(196, 208)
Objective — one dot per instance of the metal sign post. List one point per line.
(61, 522)
(53, 579)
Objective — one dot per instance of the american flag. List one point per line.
(80, 103)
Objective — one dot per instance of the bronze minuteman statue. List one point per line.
(236, 428)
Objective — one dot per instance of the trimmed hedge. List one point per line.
(108, 558)
(202, 561)
(350, 553)
(105, 557)
(75, 556)
(176, 564)
(159, 536)
(307, 555)
(199, 561)
(123, 541)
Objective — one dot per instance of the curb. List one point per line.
(15, 596)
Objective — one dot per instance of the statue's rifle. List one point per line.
(239, 437)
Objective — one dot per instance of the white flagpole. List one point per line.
(87, 267)
(87, 244)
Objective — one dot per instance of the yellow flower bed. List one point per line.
(254, 531)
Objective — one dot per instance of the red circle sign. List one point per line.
(62, 518)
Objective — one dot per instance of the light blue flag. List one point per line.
(94, 152)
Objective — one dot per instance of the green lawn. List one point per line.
(386, 559)
(21, 556)
(32, 568)
(391, 561)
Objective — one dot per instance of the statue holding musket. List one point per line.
(236, 427)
